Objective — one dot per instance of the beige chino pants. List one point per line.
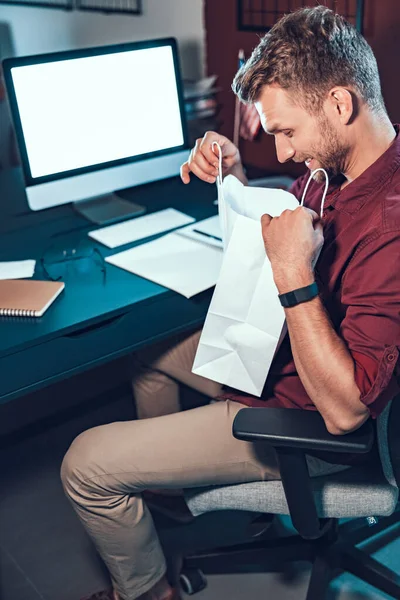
(107, 467)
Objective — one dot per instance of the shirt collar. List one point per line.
(353, 197)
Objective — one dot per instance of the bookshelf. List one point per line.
(261, 15)
(202, 107)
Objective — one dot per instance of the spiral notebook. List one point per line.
(27, 297)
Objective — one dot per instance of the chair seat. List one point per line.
(355, 492)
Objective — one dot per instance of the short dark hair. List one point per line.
(308, 52)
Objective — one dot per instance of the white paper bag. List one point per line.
(245, 318)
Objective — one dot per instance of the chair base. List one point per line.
(329, 556)
(368, 569)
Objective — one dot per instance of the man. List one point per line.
(315, 83)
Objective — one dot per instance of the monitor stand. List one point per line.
(108, 209)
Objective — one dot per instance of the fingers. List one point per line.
(204, 158)
(185, 173)
(314, 216)
(208, 148)
(200, 169)
(199, 163)
(289, 213)
(265, 220)
(287, 216)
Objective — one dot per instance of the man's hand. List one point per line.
(203, 159)
(293, 243)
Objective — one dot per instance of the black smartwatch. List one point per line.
(298, 296)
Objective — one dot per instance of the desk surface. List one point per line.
(96, 318)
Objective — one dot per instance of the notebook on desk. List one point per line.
(27, 298)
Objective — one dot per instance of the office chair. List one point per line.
(314, 504)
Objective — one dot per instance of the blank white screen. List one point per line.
(87, 111)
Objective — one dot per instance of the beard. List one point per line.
(332, 153)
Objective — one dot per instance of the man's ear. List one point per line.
(341, 103)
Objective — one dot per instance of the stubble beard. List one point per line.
(333, 153)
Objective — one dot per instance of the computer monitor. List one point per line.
(94, 121)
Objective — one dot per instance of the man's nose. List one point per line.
(284, 149)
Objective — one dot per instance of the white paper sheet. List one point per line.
(207, 231)
(17, 269)
(140, 228)
(178, 263)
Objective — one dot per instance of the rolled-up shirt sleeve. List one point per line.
(371, 326)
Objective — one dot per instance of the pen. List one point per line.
(214, 237)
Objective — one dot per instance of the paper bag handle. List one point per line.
(221, 197)
(219, 176)
(325, 190)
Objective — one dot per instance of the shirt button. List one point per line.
(391, 357)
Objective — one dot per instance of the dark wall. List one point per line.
(381, 28)
(8, 151)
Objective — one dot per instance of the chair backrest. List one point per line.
(388, 438)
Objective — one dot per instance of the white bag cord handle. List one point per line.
(222, 209)
(325, 190)
(219, 176)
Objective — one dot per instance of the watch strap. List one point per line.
(298, 296)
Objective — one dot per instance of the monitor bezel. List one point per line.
(10, 63)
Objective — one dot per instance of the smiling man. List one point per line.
(315, 83)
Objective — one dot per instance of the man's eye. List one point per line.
(288, 133)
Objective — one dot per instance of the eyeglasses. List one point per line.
(61, 263)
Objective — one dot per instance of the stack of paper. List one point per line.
(174, 261)
(17, 269)
(140, 227)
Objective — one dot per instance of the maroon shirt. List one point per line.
(358, 275)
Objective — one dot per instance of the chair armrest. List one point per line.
(303, 429)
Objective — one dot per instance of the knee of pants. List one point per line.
(142, 361)
(79, 464)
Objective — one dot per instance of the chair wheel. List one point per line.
(192, 581)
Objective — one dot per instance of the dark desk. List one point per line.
(96, 319)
